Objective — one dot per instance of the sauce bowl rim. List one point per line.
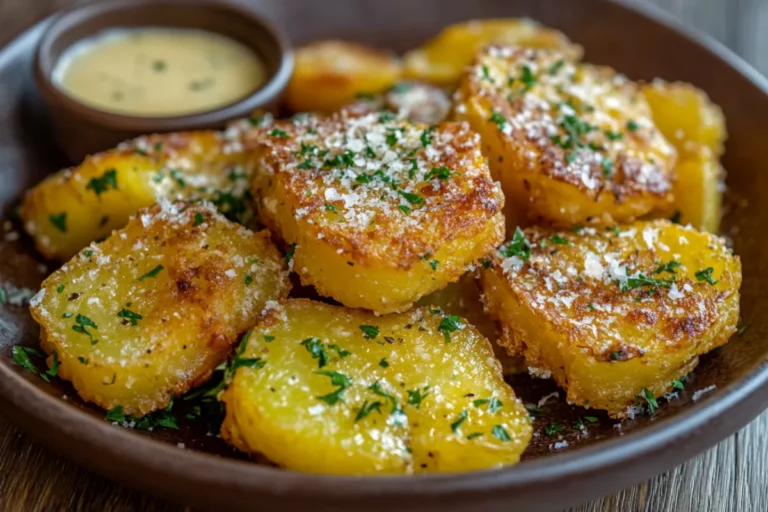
(45, 63)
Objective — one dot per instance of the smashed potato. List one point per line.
(151, 311)
(462, 299)
(696, 127)
(325, 389)
(329, 74)
(378, 211)
(74, 207)
(568, 142)
(442, 59)
(614, 314)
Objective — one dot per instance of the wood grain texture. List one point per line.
(732, 476)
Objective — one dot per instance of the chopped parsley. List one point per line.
(461, 419)
(670, 267)
(649, 399)
(198, 219)
(640, 281)
(678, 384)
(519, 246)
(330, 207)
(632, 126)
(442, 173)
(411, 198)
(368, 408)
(159, 66)
(315, 347)
(449, 324)
(500, 433)
(384, 363)
(706, 276)
(22, 356)
(434, 264)
(743, 328)
(268, 339)
(369, 331)
(59, 221)
(613, 135)
(248, 279)
(426, 136)
(341, 381)
(276, 132)
(554, 68)
(528, 78)
(83, 360)
(416, 396)
(559, 240)
(499, 120)
(60, 288)
(404, 208)
(152, 273)
(82, 323)
(290, 253)
(341, 351)
(493, 403)
(130, 315)
(101, 184)
(607, 166)
(553, 428)
(486, 74)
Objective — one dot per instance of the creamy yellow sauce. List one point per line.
(152, 72)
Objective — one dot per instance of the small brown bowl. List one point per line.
(81, 130)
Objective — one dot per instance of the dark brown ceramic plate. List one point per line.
(609, 457)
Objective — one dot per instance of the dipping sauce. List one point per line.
(158, 72)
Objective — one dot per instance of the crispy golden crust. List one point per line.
(76, 206)
(638, 296)
(149, 312)
(556, 131)
(417, 189)
(410, 401)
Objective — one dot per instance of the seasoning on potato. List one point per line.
(378, 211)
(325, 389)
(74, 207)
(150, 312)
(568, 142)
(615, 315)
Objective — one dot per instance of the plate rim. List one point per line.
(77, 429)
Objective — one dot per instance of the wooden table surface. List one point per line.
(732, 476)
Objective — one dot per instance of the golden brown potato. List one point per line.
(378, 211)
(330, 74)
(696, 127)
(442, 59)
(325, 389)
(568, 142)
(616, 314)
(686, 116)
(151, 311)
(74, 207)
(462, 299)
(415, 101)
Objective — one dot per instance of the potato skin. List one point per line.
(696, 127)
(274, 407)
(379, 211)
(462, 298)
(147, 314)
(566, 311)
(329, 74)
(74, 207)
(442, 59)
(569, 142)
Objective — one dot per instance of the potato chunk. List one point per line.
(74, 207)
(330, 74)
(568, 142)
(614, 314)
(696, 126)
(378, 211)
(686, 116)
(462, 298)
(443, 59)
(325, 389)
(151, 311)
